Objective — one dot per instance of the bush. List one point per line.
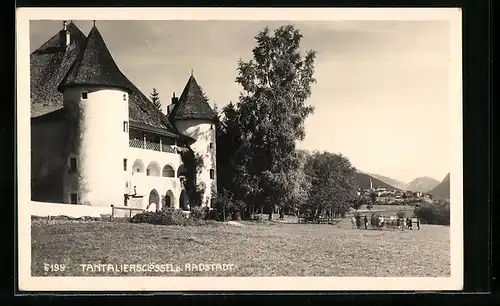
(212, 214)
(436, 213)
(167, 216)
(171, 216)
(227, 207)
(401, 214)
(198, 212)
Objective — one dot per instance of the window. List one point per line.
(72, 164)
(211, 145)
(125, 126)
(212, 174)
(124, 97)
(124, 164)
(85, 95)
(147, 171)
(74, 198)
(211, 126)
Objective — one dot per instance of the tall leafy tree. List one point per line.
(155, 98)
(333, 183)
(270, 114)
(300, 183)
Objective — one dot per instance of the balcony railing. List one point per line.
(154, 146)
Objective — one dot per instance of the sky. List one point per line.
(382, 91)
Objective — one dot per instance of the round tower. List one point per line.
(194, 118)
(95, 96)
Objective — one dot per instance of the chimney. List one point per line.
(174, 99)
(169, 108)
(65, 36)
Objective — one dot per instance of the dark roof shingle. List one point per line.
(192, 104)
(49, 65)
(55, 45)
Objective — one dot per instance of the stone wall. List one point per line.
(48, 142)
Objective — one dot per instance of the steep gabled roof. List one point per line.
(192, 104)
(55, 45)
(95, 66)
(142, 110)
(48, 65)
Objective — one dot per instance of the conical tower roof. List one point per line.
(95, 66)
(192, 104)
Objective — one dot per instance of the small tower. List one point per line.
(193, 117)
(95, 97)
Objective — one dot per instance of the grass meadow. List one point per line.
(254, 249)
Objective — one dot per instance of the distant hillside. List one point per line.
(422, 184)
(390, 181)
(442, 190)
(363, 181)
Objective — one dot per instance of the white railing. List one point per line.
(154, 146)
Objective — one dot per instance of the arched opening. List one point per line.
(138, 166)
(153, 169)
(154, 200)
(181, 171)
(184, 200)
(168, 200)
(168, 171)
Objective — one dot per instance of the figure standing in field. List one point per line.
(366, 222)
(358, 221)
(418, 224)
(374, 221)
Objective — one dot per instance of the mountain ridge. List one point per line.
(442, 190)
(390, 181)
(422, 184)
(363, 181)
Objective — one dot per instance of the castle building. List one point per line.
(97, 140)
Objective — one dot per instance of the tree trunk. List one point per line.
(237, 215)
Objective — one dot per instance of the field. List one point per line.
(255, 249)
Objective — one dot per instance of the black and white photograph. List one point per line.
(239, 149)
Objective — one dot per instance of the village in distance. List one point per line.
(121, 178)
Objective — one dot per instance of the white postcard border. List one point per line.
(29, 283)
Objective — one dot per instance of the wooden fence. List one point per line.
(122, 211)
